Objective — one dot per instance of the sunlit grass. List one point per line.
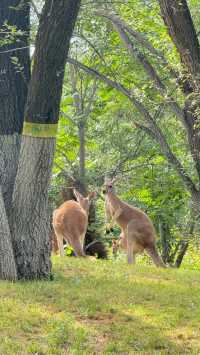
(102, 307)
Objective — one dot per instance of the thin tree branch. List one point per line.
(150, 70)
(102, 77)
(59, 149)
(63, 171)
(66, 116)
(14, 49)
(91, 100)
(158, 136)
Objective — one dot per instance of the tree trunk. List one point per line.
(183, 248)
(165, 241)
(177, 17)
(81, 132)
(30, 219)
(14, 79)
(184, 244)
(195, 206)
(178, 20)
(7, 263)
(79, 112)
(31, 226)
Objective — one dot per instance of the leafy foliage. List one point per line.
(114, 143)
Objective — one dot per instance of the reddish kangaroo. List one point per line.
(70, 222)
(138, 233)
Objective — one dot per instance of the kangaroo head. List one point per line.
(108, 186)
(84, 202)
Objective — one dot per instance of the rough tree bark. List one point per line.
(30, 220)
(177, 17)
(7, 262)
(178, 20)
(14, 79)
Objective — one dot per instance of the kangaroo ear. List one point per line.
(77, 195)
(92, 195)
(115, 178)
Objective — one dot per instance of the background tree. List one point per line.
(178, 20)
(148, 76)
(71, 158)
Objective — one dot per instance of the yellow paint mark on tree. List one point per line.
(40, 130)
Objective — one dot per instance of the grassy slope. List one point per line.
(99, 307)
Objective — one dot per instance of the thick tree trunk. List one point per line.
(178, 20)
(7, 263)
(30, 213)
(14, 79)
(31, 227)
(177, 17)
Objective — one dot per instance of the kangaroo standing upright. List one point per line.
(138, 233)
(70, 222)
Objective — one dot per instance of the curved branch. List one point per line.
(102, 77)
(139, 38)
(152, 128)
(148, 67)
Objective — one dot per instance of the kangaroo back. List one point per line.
(70, 222)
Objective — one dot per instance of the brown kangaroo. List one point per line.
(138, 233)
(70, 222)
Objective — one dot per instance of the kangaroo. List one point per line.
(138, 233)
(70, 222)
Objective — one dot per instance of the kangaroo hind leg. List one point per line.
(60, 243)
(133, 247)
(152, 252)
(130, 251)
(77, 246)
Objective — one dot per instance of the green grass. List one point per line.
(102, 307)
